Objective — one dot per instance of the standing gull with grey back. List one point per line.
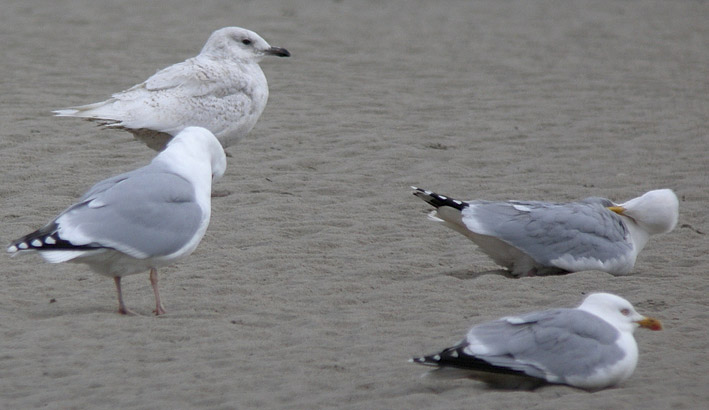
(140, 220)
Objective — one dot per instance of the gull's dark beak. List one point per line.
(277, 51)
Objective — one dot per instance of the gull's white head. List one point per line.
(201, 142)
(618, 312)
(655, 211)
(236, 43)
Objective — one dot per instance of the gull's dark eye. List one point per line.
(246, 41)
(625, 312)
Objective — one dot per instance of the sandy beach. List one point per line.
(320, 275)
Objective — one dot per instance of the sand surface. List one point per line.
(320, 275)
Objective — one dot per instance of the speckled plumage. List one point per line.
(223, 89)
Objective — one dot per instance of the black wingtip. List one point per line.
(457, 357)
(46, 238)
(426, 360)
(437, 200)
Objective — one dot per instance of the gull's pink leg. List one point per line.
(159, 309)
(121, 306)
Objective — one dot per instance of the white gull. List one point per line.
(222, 89)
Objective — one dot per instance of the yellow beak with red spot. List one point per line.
(650, 323)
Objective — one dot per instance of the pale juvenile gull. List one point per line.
(140, 220)
(540, 238)
(222, 89)
(591, 347)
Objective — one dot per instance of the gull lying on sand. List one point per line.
(222, 89)
(540, 238)
(140, 220)
(591, 347)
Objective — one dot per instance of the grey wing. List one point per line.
(553, 345)
(547, 231)
(141, 213)
(106, 184)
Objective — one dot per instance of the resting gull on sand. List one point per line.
(591, 347)
(541, 238)
(222, 89)
(140, 220)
